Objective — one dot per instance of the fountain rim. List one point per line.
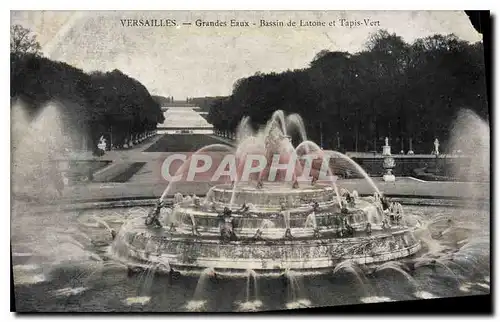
(147, 201)
(249, 188)
(274, 242)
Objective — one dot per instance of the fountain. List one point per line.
(328, 245)
(252, 302)
(298, 220)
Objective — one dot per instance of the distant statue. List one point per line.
(436, 146)
(102, 144)
(288, 233)
(386, 141)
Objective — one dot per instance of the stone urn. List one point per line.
(389, 162)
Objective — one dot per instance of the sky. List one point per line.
(190, 61)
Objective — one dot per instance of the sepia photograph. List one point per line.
(250, 161)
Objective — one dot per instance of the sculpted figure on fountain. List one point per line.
(226, 226)
(395, 213)
(350, 200)
(343, 207)
(315, 206)
(349, 230)
(258, 234)
(385, 203)
(368, 228)
(153, 217)
(385, 225)
(196, 202)
(243, 209)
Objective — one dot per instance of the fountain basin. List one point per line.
(190, 253)
(273, 195)
(327, 217)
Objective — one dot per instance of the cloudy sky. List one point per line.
(195, 61)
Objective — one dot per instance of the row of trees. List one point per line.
(351, 102)
(110, 104)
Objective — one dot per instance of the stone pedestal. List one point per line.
(389, 162)
(389, 177)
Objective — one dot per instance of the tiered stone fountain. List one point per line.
(270, 225)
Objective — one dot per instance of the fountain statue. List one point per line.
(389, 162)
(287, 221)
(153, 217)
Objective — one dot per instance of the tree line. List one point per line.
(95, 104)
(351, 102)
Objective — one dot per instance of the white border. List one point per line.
(252, 5)
(195, 5)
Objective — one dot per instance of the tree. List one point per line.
(391, 88)
(96, 104)
(23, 41)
